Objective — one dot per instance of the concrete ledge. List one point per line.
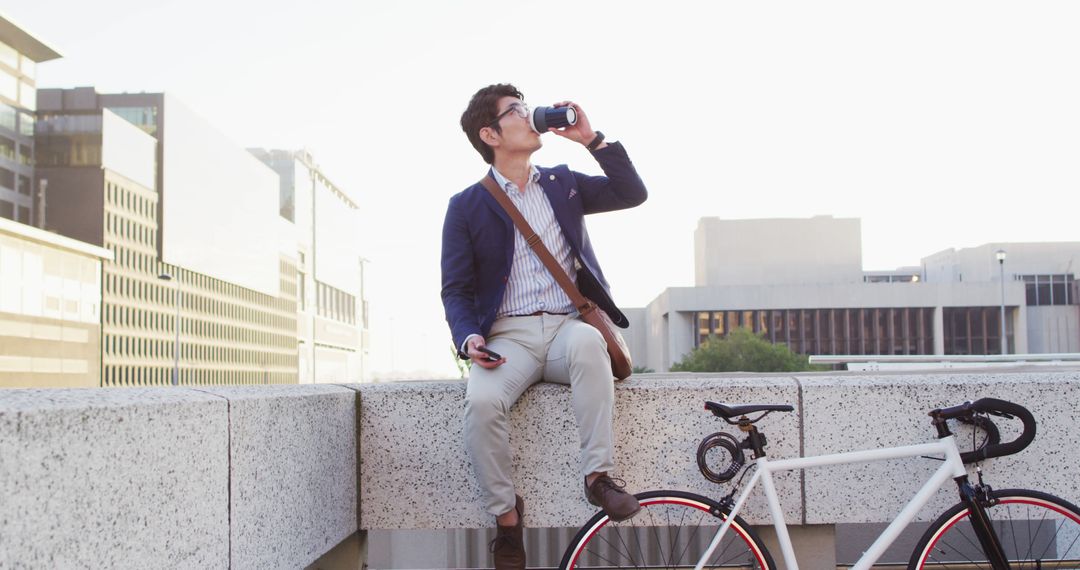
(268, 477)
(101, 478)
(415, 473)
(849, 412)
(292, 459)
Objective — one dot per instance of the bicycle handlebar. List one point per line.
(995, 407)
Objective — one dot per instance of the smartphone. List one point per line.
(492, 355)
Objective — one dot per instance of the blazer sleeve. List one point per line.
(618, 189)
(458, 278)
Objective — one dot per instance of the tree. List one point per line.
(642, 370)
(742, 351)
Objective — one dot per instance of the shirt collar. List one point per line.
(506, 184)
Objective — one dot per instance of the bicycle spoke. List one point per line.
(670, 532)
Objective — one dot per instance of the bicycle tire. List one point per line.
(1036, 530)
(660, 537)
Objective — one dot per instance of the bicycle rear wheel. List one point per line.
(1035, 529)
(673, 530)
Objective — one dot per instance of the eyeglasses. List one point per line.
(519, 109)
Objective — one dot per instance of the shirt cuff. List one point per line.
(465, 344)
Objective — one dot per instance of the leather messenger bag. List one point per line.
(621, 366)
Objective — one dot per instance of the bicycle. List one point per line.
(1005, 529)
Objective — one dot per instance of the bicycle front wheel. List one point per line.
(673, 530)
(1036, 530)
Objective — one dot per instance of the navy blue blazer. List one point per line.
(478, 240)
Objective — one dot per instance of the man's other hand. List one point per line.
(481, 358)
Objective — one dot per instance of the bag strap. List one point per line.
(583, 305)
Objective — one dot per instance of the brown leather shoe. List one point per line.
(508, 546)
(610, 496)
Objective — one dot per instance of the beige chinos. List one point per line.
(553, 348)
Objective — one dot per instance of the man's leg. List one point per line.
(488, 398)
(578, 356)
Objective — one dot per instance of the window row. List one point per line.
(142, 348)
(131, 201)
(16, 121)
(165, 323)
(1050, 289)
(976, 330)
(335, 304)
(162, 376)
(133, 231)
(830, 331)
(14, 212)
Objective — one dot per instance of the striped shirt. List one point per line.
(531, 287)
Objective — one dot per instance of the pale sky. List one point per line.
(939, 124)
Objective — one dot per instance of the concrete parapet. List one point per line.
(415, 473)
(101, 478)
(849, 412)
(292, 461)
(268, 476)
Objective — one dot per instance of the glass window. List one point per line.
(7, 117)
(9, 56)
(28, 66)
(7, 178)
(26, 124)
(27, 95)
(7, 210)
(1057, 290)
(9, 85)
(24, 215)
(26, 156)
(7, 149)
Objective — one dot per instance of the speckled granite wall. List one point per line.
(105, 478)
(293, 472)
(849, 412)
(415, 473)
(238, 477)
(266, 477)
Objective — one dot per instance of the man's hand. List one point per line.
(473, 346)
(580, 132)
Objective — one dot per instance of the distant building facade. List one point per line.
(333, 312)
(800, 282)
(145, 178)
(50, 309)
(20, 53)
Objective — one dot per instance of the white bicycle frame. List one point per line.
(952, 467)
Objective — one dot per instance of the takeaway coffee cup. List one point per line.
(543, 119)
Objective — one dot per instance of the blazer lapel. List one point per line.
(557, 197)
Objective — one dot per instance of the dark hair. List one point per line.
(481, 112)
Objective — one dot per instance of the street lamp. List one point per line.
(176, 347)
(1001, 264)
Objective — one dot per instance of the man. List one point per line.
(499, 296)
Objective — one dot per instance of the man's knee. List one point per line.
(483, 405)
(587, 341)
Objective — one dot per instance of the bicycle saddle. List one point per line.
(727, 412)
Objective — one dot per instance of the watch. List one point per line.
(596, 141)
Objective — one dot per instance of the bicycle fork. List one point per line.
(981, 525)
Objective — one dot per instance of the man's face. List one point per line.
(517, 135)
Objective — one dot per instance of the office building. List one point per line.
(800, 282)
(20, 54)
(149, 180)
(50, 309)
(333, 334)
